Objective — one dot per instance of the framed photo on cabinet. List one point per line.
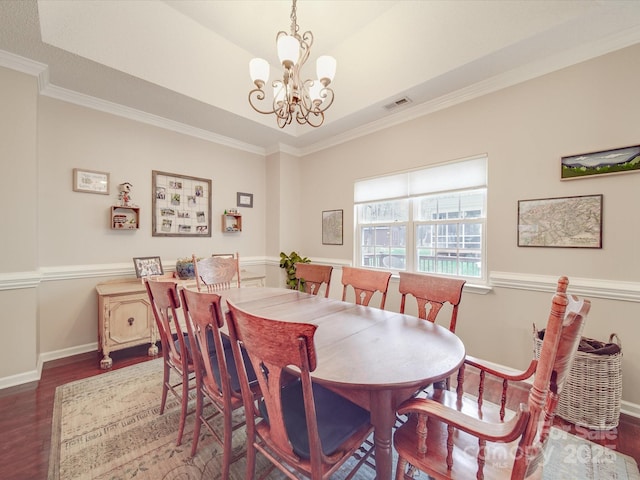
(147, 266)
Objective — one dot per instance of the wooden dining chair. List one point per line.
(216, 272)
(312, 277)
(454, 436)
(365, 284)
(300, 425)
(433, 292)
(164, 299)
(216, 373)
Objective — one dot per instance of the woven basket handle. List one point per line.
(617, 342)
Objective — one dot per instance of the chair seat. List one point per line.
(231, 367)
(498, 457)
(338, 418)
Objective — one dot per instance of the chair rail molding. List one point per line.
(588, 287)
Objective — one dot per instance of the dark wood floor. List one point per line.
(26, 414)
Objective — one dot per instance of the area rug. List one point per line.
(108, 427)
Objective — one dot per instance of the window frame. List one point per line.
(411, 262)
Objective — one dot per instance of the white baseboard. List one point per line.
(68, 352)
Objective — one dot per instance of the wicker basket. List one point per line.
(593, 390)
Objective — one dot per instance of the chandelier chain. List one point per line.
(294, 20)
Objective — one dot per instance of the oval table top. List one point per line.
(377, 358)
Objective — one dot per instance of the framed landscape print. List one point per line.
(606, 162)
(332, 227)
(570, 222)
(181, 205)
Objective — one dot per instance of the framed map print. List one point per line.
(332, 227)
(569, 222)
(181, 205)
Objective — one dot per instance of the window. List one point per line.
(431, 220)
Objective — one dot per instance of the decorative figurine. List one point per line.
(125, 194)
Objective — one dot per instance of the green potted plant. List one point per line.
(288, 262)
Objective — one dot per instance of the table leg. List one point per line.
(383, 416)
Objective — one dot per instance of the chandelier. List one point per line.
(292, 97)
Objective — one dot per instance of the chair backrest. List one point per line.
(313, 276)
(365, 283)
(217, 272)
(164, 299)
(273, 346)
(559, 347)
(204, 320)
(433, 291)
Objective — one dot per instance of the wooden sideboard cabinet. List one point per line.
(125, 317)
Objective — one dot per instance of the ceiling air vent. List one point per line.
(398, 103)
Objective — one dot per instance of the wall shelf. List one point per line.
(231, 222)
(125, 218)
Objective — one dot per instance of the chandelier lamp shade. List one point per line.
(304, 100)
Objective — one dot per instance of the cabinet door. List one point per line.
(130, 320)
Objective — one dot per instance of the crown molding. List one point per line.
(22, 64)
(513, 77)
(94, 103)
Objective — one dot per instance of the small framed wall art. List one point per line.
(332, 227)
(181, 205)
(244, 200)
(569, 222)
(90, 181)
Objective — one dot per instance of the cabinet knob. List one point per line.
(130, 320)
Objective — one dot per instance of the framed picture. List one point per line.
(332, 227)
(181, 205)
(147, 266)
(244, 200)
(90, 181)
(570, 222)
(606, 162)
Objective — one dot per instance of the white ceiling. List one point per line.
(183, 64)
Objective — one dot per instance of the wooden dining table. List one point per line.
(374, 357)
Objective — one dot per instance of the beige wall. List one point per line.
(524, 130)
(18, 111)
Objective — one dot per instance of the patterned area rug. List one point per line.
(109, 427)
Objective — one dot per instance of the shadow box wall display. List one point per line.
(181, 205)
(570, 222)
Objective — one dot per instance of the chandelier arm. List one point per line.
(257, 95)
(327, 95)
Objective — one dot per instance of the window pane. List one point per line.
(379, 212)
(472, 203)
(384, 246)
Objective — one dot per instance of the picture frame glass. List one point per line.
(605, 162)
(181, 205)
(148, 266)
(565, 222)
(90, 181)
(244, 199)
(332, 227)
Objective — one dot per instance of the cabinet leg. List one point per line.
(106, 362)
(153, 350)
